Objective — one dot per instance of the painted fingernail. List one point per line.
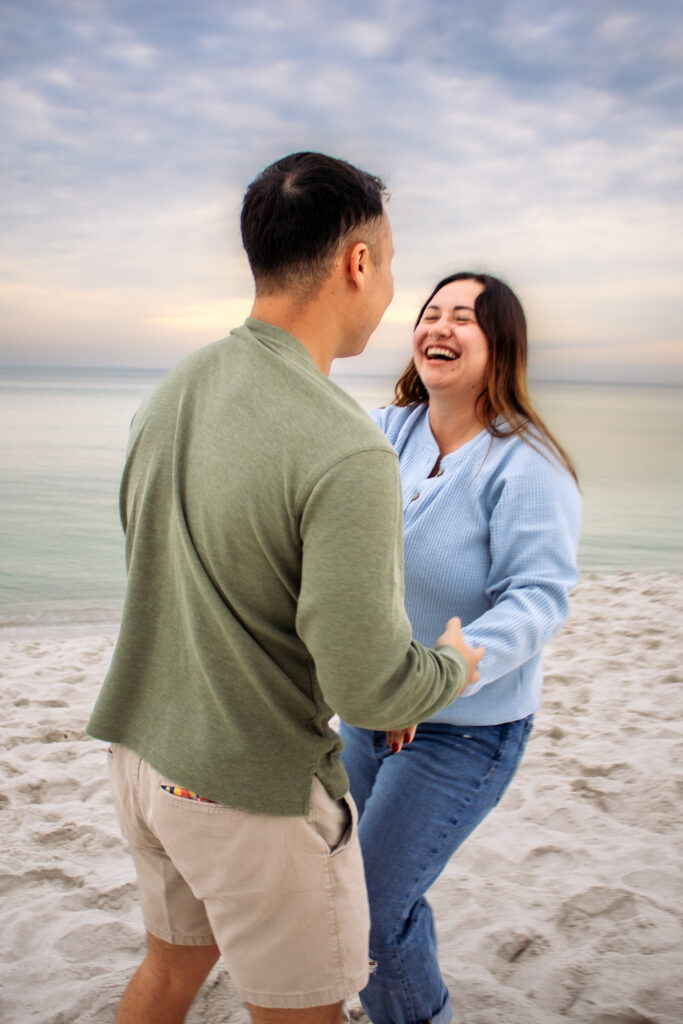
(395, 748)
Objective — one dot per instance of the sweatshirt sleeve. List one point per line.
(350, 610)
(534, 530)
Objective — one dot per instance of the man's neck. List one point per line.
(304, 321)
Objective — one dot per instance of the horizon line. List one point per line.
(369, 374)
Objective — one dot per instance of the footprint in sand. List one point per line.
(612, 905)
(607, 770)
(519, 946)
(625, 1016)
(51, 877)
(119, 898)
(512, 951)
(547, 855)
(619, 921)
(52, 735)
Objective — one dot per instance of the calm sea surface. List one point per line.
(63, 436)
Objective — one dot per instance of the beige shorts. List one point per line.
(283, 897)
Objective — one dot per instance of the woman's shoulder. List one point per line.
(528, 449)
(393, 420)
(526, 466)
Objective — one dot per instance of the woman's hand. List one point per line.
(397, 737)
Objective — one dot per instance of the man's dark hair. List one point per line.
(297, 212)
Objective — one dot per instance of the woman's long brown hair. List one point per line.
(505, 396)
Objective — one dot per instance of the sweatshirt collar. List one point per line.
(431, 448)
(283, 342)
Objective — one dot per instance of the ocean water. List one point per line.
(63, 437)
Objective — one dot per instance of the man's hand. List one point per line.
(397, 738)
(472, 655)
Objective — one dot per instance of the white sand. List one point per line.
(565, 905)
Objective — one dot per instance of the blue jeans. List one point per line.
(416, 808)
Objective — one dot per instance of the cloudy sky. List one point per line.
(535, 139)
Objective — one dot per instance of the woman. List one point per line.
(492, 514)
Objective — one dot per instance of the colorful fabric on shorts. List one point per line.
(187, 793)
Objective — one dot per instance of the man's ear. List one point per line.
(358, 260)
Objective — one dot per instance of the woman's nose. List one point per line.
(439, 329)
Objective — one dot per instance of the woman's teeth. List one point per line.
(436, 352)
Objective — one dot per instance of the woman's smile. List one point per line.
(450, 349)
(441, 352)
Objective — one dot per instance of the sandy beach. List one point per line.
(567, 904)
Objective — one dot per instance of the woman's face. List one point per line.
(450, 349)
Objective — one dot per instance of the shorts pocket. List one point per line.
(180, 799)
(333, 821)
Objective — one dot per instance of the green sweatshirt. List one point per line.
(264, 548)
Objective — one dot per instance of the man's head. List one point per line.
(300, 212)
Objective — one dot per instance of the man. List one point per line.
(264, 549)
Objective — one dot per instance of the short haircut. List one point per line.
(297, 212)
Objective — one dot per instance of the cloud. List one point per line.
(537, 139)
(367, 38)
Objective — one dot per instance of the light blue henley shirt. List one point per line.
(491, 538)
